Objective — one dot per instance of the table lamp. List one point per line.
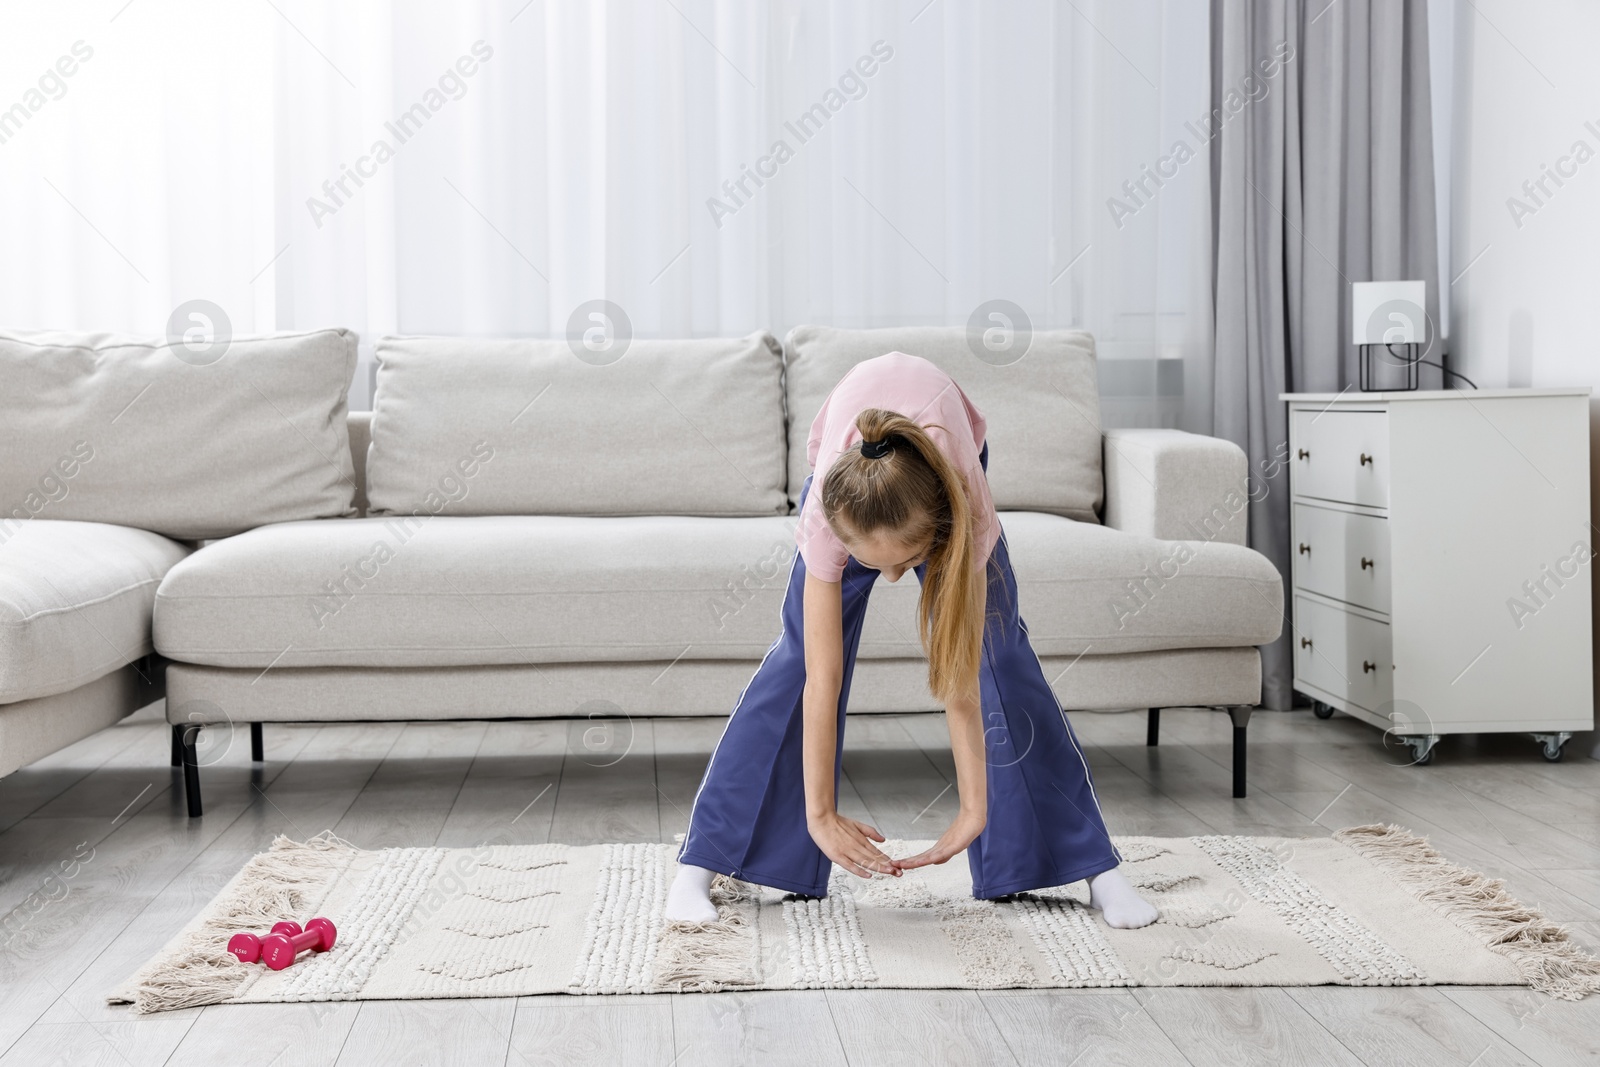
(1388, 318)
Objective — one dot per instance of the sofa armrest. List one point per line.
(1176, 486)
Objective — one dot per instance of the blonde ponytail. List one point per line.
(917, 492)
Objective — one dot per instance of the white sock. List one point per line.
(689, 898)
(1118, 902)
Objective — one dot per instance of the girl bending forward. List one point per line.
(902, 457)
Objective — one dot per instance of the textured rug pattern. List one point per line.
(1371, 905)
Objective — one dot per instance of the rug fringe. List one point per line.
(1541, 949)
(708, 957)
(198, 970)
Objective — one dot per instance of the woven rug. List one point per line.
(1370, 905)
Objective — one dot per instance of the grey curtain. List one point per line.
(1322, 175)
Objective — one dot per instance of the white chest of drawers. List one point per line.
(1440, 545)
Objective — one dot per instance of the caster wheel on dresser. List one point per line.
(1321, 710)
(1421, 746)
(1551, 745)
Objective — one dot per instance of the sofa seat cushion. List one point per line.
(450, 590)
(1084, 588)
(484, 590)
(75, 601)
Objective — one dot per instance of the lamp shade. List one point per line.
(1388, 313)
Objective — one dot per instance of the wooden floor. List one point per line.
(99, 867)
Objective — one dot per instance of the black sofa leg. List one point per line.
(177, 746)
(1152, 728)
(183, 738)
(1241, 720)
(257, 748)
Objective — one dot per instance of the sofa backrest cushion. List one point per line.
(189, 443)
(1042, 409)
(467, 426)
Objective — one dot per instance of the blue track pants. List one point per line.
(1044, 823)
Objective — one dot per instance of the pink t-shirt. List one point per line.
(929, 397)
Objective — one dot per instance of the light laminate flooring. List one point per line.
(99, 866)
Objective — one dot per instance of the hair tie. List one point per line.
(876, 449)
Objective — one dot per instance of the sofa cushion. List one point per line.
(1043, 409)
(1086, 588)
(451, 591)
(465, 426)
(147, 433)
(75, 602)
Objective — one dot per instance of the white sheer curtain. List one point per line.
(936, 155)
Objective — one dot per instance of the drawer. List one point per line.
(1341, 555)
(1342, 455)
(1344, 654)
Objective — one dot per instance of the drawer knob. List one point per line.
(1366, 564)
(1305, 642)
(1367, 666)
(1366, 460)
(1304, 454)
(1305, 549)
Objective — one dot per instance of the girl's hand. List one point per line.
(963, 831)
(848, 843)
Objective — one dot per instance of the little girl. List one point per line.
(902, 456)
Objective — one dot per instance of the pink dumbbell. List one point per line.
(248, 946)
(279, 948)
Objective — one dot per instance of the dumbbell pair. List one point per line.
(286, 941)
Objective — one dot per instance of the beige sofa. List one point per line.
(538, 533)
(117, 456)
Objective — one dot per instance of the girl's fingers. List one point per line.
(936, 854)
(870, 831)
(866, 849)
(857, 858)
(874, 860)
(857, 855)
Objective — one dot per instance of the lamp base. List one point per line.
(1390, 371)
